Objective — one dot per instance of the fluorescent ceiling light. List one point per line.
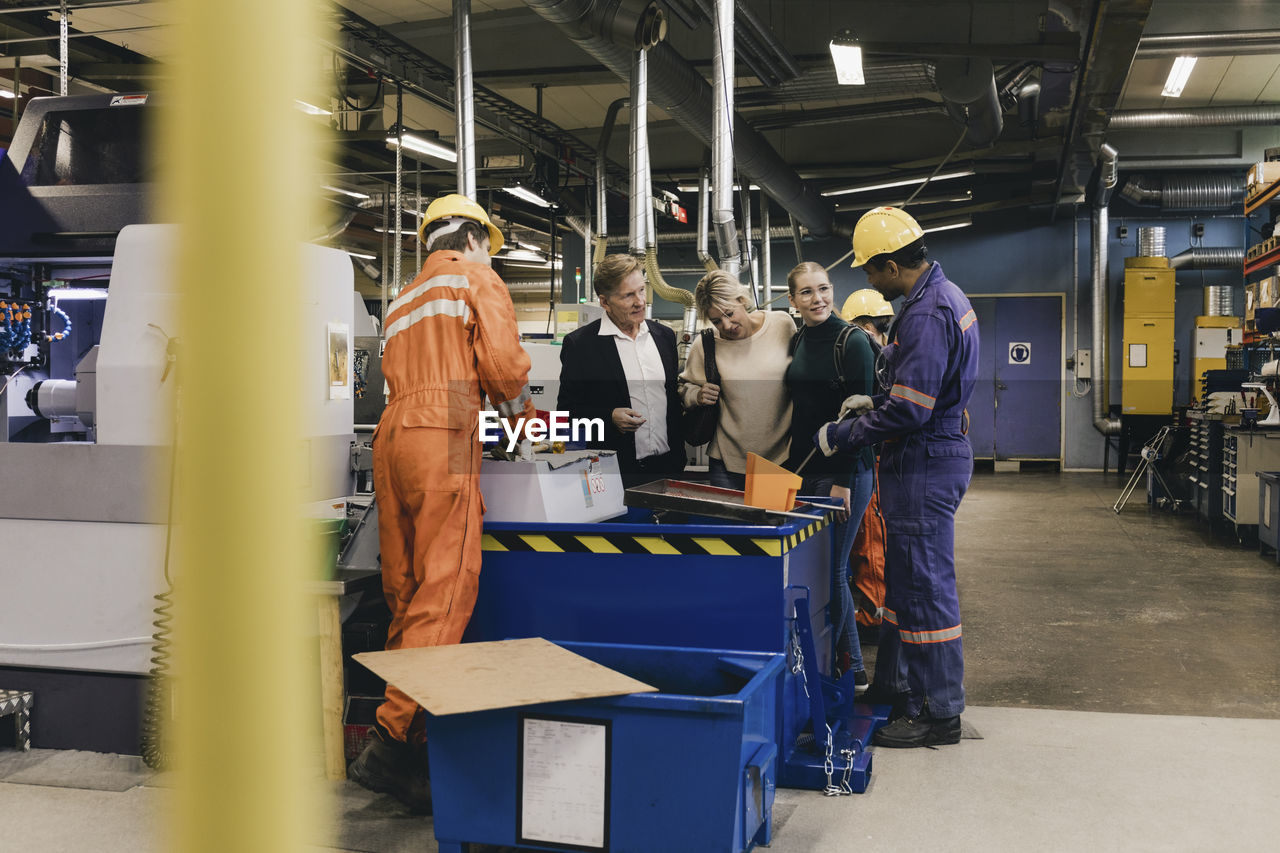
(5, 93)
(422, 145)
(310, 109)
(1178, 76)
(906, 182)
(963, 223)
(361, 255)
(523, 255)
(64, 294)
(529, 246)
(404, 232)
(528, 195)
(352, 193)
(693, 188)
(848, 61)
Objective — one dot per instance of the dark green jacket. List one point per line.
(816, 395)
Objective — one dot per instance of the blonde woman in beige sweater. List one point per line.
(751, 357)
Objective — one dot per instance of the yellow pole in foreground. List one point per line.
(238, 162)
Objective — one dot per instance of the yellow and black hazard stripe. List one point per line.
(636, 543)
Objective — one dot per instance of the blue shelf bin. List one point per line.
(691, 768)
(707, 583)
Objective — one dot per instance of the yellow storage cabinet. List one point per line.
(1147, 374)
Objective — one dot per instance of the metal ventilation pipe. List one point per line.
(1195, 117)
(602, 179)
(464, 99)
(582, 227)
(639, 201)
(1185, 192)
(1209, 258)
(1107, 174)
(766, 251)
(704, 219)
(968, 88)
(722, 80)
(679, 88)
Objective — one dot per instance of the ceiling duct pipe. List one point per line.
(1185, 192)
(602, 180)
(722, 80)
(704, 220)
(766, 252)
(1209, 258)
(464, 99)
(967, 85)
(640, 205)
(581, 225)
(678, 87)
(1242, 116)
(1107, 172)
(642, 236)
(1232, 43)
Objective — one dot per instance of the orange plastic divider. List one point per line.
(770, 486)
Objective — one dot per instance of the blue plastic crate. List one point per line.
(691, 768)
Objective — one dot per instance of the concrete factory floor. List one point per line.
(1123, 672)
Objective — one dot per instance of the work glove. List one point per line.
(855, 404)
(502, 454)
(833, 436)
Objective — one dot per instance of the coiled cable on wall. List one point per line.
(160, 690)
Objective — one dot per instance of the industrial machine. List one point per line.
(90, 366)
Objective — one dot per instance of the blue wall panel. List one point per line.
(1031, 255)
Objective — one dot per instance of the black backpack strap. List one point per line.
(709, 356)
(837, 354)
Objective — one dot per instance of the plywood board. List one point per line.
(483, 676)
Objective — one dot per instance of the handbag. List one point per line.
(700, 422)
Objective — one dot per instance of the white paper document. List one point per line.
(564, 782)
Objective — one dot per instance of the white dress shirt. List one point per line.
(646, 382)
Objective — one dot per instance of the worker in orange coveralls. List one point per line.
(451, 339)
(869, 310)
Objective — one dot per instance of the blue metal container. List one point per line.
(707, 583)
(691, 768)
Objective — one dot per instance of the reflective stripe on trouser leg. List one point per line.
(430, 540)
(920, 494)
(891, 670)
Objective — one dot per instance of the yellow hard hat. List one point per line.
(459, 205)
(865, 303)
(881, 231)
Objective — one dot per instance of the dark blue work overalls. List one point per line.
(930, 367)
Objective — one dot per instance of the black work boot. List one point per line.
(389, 766)
(924, 730)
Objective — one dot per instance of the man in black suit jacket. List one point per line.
(622, 369)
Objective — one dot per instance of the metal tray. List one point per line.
(712, 501)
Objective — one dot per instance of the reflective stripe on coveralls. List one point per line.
(925, 468)
(451, 338)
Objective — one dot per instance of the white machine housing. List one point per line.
(85, 535)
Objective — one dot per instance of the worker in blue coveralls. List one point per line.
(927, 376)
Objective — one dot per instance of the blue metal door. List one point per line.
(982, 405)
(1028, 377)
(1015, 409)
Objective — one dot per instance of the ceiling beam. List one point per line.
(1114, 32)
(1053, 47)
(380, 51)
